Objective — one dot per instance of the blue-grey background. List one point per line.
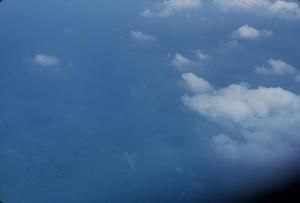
(109, 125)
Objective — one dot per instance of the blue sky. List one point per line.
(147, 101)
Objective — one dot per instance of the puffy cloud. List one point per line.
(237, 104)
(250, 33)
(169, 7)
(285, 9)
(276, 67)
(139, 36)
(196, 84)
(46, 60)
(265, 121)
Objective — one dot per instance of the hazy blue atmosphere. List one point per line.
(105, 101)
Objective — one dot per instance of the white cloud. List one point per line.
(250, 33)
(280, 8)
(285, 9)
(265, 121)
(169, 7)
(276, 67)
(237, 103)
(242, 4)
(180, 62)
(196, 84)
(46, 60)
(139, 36)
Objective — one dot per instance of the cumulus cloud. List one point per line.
(250, 33)
(169, 7)
(46, 60)
(276, 67)
(139, 36)
(196, 84)
(285, 9)
(265, 121)
(280, 8)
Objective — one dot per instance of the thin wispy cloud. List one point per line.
(277, 8)
(46, 60)
(142, 37)
(169, 7)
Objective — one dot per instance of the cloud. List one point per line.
(169, 7)
(227, 45)
(264, 122)
(285, 9)
(46, 60)
(250, 33)
(182, 63)
(139, 36)
(280, 8)
(242, 4)
(201, 56)
(196, 84)
(276, 67)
